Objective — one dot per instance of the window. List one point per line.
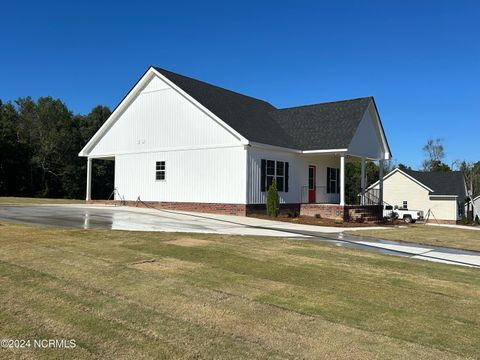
(280, 172)
(277, 170)
(333, 181)
(270, 172)
(160, 170)
(405, 204)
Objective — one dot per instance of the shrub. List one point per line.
(465, 220)
(273, 201)
(477, 220)
(293, 213)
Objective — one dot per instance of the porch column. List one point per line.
(362, 182)
(380, 182)
(342, 180)
(89, 180)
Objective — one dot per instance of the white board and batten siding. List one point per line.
(200, 176)
(160, 118)
(204, 162)
(367, 141)
(298, 173)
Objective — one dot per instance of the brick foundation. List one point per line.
(226, 209)
(327, 211)
(350, 213)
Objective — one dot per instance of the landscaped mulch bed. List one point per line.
(310, 220)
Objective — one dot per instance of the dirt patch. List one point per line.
(188, 242)
(165, 265)
(144, 261)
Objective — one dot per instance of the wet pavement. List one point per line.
(140, 219)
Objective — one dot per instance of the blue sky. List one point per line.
(420, 59)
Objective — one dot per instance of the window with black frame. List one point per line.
(278, 170)
(160, 170)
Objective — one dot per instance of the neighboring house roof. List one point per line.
(450, 183)
(322, 126)
(442, 183)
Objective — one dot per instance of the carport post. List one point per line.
(342, 180)
(362, 182)
(380, 182)
(89, 180)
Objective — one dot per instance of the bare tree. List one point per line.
(471, 172)
(434, 153)
(389, 165)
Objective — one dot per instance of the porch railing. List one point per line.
(372, 197)
(320, 196)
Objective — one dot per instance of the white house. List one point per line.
(181, 143)
(443, 193)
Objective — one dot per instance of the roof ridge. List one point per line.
(434, 172)
(215, 86)
(325, 103)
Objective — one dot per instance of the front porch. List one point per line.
(332, 198)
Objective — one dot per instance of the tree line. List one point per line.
(40, 142)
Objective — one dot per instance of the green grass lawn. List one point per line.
(141, 295)
(9, 200)
(428, 235)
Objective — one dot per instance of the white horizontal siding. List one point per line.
(158, 118)
(205, 176)
(298, 172)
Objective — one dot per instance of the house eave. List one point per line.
(324, 151)
(438, 195)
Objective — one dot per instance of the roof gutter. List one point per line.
(325, 151)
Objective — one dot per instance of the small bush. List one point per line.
(477, 220)
(318, 216)
(293, 213)
(273, 201)
(465, 220)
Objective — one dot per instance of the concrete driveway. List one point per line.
(141, 219)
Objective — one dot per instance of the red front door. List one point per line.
(312, 181)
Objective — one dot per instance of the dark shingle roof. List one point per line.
(442, 183)
(323, 126)
(312, 127)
